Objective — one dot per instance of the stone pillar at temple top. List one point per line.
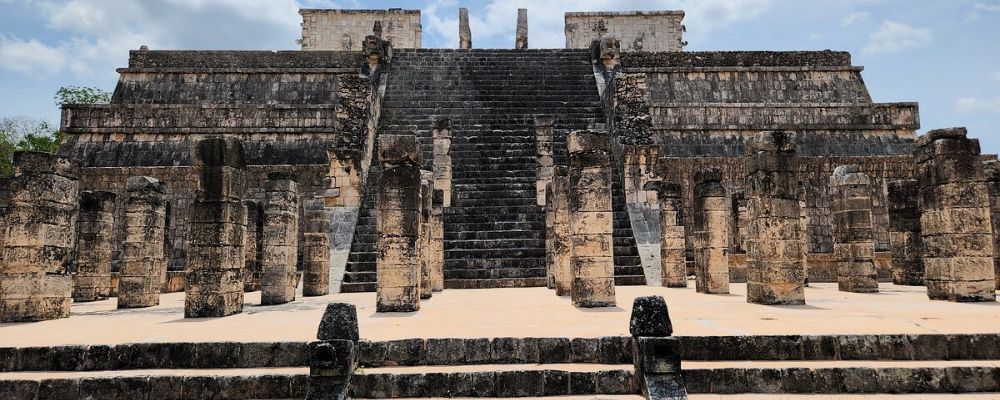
(521, 38)
(464, 33)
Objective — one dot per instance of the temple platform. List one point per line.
(518, 312)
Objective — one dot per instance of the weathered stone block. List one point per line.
(95, 227)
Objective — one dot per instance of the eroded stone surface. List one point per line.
(591, 219)
(854, 244)
(673, 262)
(711, 232)
(95, 233)
(144, 262)
(904, 226)
(398, 206)
(280, 240)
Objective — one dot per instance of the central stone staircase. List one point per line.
(494, 229)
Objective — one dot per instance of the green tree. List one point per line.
(23, 133)
(81, 95)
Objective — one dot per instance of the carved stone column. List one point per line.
(280, 239)
(521, 38)
(216, 233)
(424, 236)
(955, 221)
(39, 213)
(992, 169)
(591, 219)
(95, 235)
(398, 224)
(562, 245)
(437, 240)
(315, 249)
(252, 248)
(775, 274)
(143, 258)
(853, 236)
(672, 238)
(464, 33)
(543, 138)
(904, 229)
(711, 229)
(442, 158)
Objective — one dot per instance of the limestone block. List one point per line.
(39, 207)
(315, 264)
(711, 232)
(956, 225)
(437, 240)
(854, 242)
(775, 251)
(424, 236)
(591, 221)
(521, 35)
(253, 245)
(144, 263)
(398, 207)
(992, 170)
(464, 33)
(562, 247)
(280, 240)
(95, 233)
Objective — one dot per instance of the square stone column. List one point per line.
(562, 245)
(904, 231)
(437, 240)
(543, 139)
(464, 32)
(315, 249)
(992, 169)
(853, 236)
(442, 158)
(39, 213)
(673, 262)
(424, 236)
(775, 270)
(280, 239)
(216, 231)
(591, 218)
(711, 230)
(252, 247)
(95, 234)
(143, 258)
(955, 222)
(521, 35)
(397, 223)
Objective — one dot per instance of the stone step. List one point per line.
(494, 244)
(465, 264)
(498, 234)
(495, 273)
(629, 280)
(494, 283)
(357, 287)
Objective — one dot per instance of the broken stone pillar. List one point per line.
(955, 222)
(333, 357)
(315, 249)
(442, 158)
(437, 240)
(280, 239)
(39, 213)
(397, 212)
(143, 258)
(216, 232)
(95, 235)
(521, 40)
(543, 138)
(992, 169)
(252, 247)
(655, 353)
(711, 230)
(775, 274)
(593, 266)
(550, 275)
(562, 247)
(673, 262)
(464, 33)
(424, 236)
(904, 231)
(853, 236)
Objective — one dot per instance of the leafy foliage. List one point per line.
(81, 95)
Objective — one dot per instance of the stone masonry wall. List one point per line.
(346, 29)
(636, 30)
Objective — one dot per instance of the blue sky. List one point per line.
(944, 54)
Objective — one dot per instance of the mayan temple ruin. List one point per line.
(516, 222)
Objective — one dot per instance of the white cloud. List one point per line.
(855, 17)
(30, 57)
(546, 18)
(972, 105)
(894, 36)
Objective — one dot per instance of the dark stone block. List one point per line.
(116, 388)
(699, 380)
(857, 347)
(372, 354)
(216, 355)
(584, 350)
(556, 383)
(63, 389)
(166, 387)
(18, 389)
(822, 347)
(332, 358)
(405, 352)
(553, 350)
(445, 351)
(612, 350)
(98, 357)
(340, 321)
(616, 382)
(859, 380)
(797, 380)
(519, 383)
(650, 317)
(478, 351)
(582, 383)
(894, 347)
(657, 355)
(930, 347)
(220, 151)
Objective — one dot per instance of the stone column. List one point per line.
(398, 224)
(591, 219)
(904, 231)
(543, 138)
(442, 158)
(315, 249)
(711, 230)
(992, 169)
(216, 232)
(673, 262)
(424, 236)
(775, 274)
(437, 240)
(252, 246)
(955, 222)
(280, 239)
(853, 236)
(521, 40)
(143, 257)
(95, 234)
(40, 213)
(464, 33)
(562, 246)
(550, 275)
